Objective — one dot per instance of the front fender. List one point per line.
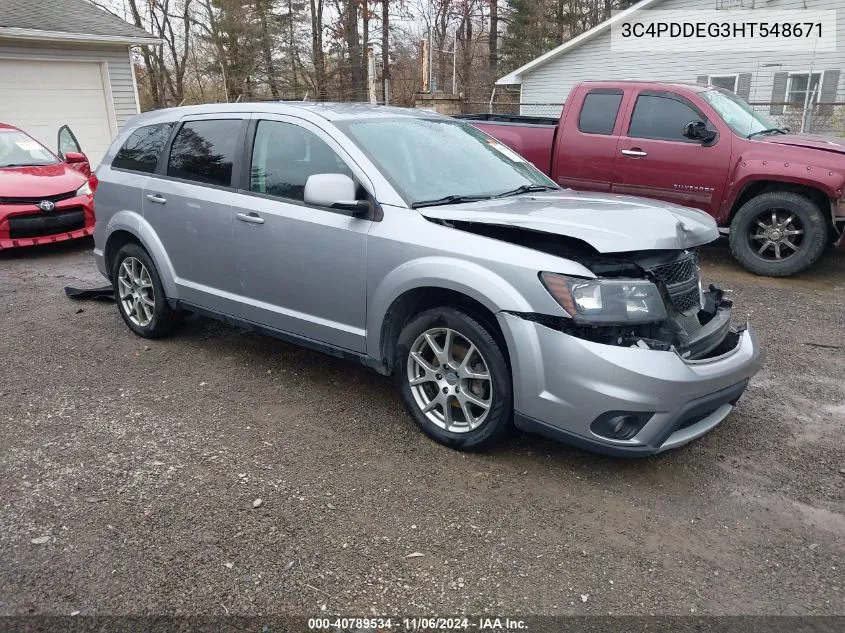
(136, 225)
(468, 278)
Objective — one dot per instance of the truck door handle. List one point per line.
(634, 151)
(157, 198)
(251, 218)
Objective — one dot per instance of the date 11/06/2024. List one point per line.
(417, 624)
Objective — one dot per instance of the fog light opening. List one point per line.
(620, 425)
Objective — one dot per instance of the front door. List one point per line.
(655, 160)
(303, 269)
(188, 202)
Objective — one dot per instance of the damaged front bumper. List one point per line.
(627, 400)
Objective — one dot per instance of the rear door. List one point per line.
(188, 202)
(655, 160)
(586, 142)
(303, 269)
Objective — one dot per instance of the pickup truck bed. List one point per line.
(531, 136)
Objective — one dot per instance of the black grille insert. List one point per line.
(56, 198)
(46, 223)
(681, 280)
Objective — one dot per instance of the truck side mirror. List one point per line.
(697, 131)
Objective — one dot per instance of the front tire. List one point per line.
(778, 234)
(454, 379)
(139, 293)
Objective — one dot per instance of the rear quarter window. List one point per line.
(141, 150)
(599, 110)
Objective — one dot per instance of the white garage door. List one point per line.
(41, 96)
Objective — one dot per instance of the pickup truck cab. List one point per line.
(780, 194)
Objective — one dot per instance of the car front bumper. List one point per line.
(562, 384)
(27, 225)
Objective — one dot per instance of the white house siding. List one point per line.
(117, 58)
(550, 83)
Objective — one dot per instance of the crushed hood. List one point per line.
(607, 222)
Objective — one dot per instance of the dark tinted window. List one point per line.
(283, 157)
(661, 118)
(598, 113)
(204, 151)
(140, 151)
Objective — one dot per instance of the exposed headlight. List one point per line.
(591, 301)
(84, 190)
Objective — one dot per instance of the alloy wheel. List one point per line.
(137, 295)
(450, 380)
(776, 234)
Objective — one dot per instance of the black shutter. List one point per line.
(701, 79)
(830, 88)
(778, 93)
(743, 86)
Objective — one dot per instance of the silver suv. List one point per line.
(419, 246)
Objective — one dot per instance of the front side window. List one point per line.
(726, 82)
(661, 118)
(141, 150)
(428, 159)
(803, 87)
(19, 150)
(284, 155)
(598, 113)
(204, 151)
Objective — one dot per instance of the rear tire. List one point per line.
(139, 293)
(450, 363)
(778, 234)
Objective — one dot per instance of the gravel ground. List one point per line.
(131, 468)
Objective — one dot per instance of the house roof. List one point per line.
(515, 77)
(67, 20)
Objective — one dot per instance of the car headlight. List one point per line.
(603, 301)
(84, 190)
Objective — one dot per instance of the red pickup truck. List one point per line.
(782, 195)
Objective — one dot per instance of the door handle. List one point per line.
(251, 218)
(634, 151)
(157, 198)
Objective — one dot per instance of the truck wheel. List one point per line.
(454, 379)
(139, 294)
(778, 234)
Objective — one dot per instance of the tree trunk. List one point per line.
(261, 7)
(353, 46)
(365, 50)
(385, 41)
(493, 50)
(317, 49)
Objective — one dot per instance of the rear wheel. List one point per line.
(139, 293)
(454, 379)
(778, 234)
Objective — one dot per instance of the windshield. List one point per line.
(17, 150)
(430, 159)
(739, 116)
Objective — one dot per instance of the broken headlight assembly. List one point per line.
(606, 301)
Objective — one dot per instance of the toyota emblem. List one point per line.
(47, 205)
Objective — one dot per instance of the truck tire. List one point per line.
(454, 379)
(139, 293)
(778, 234)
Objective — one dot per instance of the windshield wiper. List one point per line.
(768, 131)
(25, 165)
(526, 189)
(454, 199)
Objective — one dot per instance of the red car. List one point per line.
(43, 198)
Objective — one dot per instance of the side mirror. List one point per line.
(697, 131)
(79, 162)
(336, 191)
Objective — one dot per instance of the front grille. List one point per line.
(57, 198)
(41, 224)
(681, 280)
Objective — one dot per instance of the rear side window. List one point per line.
(598, 113)
(661, 118)
(204, 151)
(285, 155)
(140, 151)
